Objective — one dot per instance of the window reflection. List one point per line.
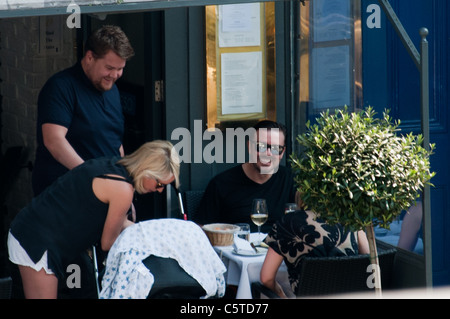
(330, 56)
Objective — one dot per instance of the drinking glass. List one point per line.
(244, 231)
(290, 207)
(259, 215)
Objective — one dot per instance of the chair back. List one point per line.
(192, 200)
(335, 275)
(171, 281)
(5, 288)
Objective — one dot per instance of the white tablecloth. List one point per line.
(242, 271)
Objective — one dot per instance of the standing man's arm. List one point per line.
(55, 141)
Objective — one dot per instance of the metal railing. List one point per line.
(421, 60)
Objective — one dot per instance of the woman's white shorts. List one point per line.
(19, 256)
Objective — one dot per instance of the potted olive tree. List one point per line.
(358, 170)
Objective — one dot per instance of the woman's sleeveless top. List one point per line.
(67, 218)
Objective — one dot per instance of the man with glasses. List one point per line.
(229, 195)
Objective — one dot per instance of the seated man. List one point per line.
(229, 195)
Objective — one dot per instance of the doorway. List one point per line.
(143, 105)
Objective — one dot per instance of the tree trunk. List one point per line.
(374, 259)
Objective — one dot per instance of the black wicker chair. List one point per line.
(5, 288)
(191, 202)
(336, 275)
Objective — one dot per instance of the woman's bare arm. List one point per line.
(269, 271)
(119, 196)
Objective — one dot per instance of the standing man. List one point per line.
(80, 118)
(229, 195)
(79, 111)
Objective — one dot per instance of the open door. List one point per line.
(141, 89)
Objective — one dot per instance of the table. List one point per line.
(242, 271)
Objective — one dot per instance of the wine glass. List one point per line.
(259, 215)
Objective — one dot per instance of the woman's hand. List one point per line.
(132, 216)
(126, 223)
(279, 290)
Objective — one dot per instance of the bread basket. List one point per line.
(220, 234)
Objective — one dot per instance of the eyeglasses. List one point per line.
(159, 184)
(261, 147)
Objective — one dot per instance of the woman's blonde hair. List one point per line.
(157, 159)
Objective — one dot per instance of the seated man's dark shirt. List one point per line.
(229, 195)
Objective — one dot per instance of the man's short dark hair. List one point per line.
(268, 124)
(109, 38)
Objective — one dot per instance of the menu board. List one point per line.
(331, 77)
(241, 82)
(239, 25)
(240, 62)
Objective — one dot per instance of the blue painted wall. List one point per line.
(391, 80)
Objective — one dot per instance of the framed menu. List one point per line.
(331, 77)
(239, 74)
(241, 83)
(239, 25)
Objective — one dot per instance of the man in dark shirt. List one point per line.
(79, 111)
(229, 195)
(80, 118)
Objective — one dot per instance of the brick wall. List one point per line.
(23, 71)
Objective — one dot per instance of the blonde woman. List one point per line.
(88, 204)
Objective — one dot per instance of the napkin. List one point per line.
(242, 246)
